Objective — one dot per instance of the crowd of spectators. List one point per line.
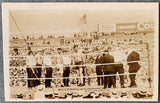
(87, 45)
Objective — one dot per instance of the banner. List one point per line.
(126, 27)
(107, 28)
(146, 26)
(135, 26)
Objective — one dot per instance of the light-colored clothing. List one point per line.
(39, 59)
(39, 95)
(66, 60)
(118, 55)
(53, 60)
(60, 68)
(78, 58)
(60, 64)
(47, 60)
(30, 61)
(59, 60)
(88, 69)
(80, 74)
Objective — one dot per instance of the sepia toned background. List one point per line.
(1, 71)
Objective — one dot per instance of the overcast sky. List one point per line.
(66, 20)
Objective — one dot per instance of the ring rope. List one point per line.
(66, 54)
(33, 66)
(75, 77)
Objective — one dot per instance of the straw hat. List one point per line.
(62, 95)
(40, 88)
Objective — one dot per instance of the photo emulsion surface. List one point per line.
(70, 52)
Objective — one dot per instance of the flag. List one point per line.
(83, 19)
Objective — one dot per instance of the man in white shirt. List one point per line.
(30, 62)
(59, 61)
(39, 62)
(79, 61)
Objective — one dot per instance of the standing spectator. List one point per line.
(133, 67)
(99, 70)
(108, 70)
(79, 61)
(48, 70)
(39, 62)
(89, 69)
(60, 66)
(84, 68)
(30, 62)
(66, 72)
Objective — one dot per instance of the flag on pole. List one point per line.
(83, 20)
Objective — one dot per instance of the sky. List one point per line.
(69, 20)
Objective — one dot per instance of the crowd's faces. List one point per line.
(76, 49)
(15, 52)
(59, 51)
(40, 52)
(65, 53)
(45, 53)
(125, 41)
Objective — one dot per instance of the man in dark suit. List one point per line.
(99, 70)
(108, 70)
(133, 67)
(48, 68)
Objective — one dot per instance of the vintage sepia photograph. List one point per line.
(80, 51)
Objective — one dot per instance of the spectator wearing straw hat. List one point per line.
(133, 66)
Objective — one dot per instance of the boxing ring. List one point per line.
(74, 88)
